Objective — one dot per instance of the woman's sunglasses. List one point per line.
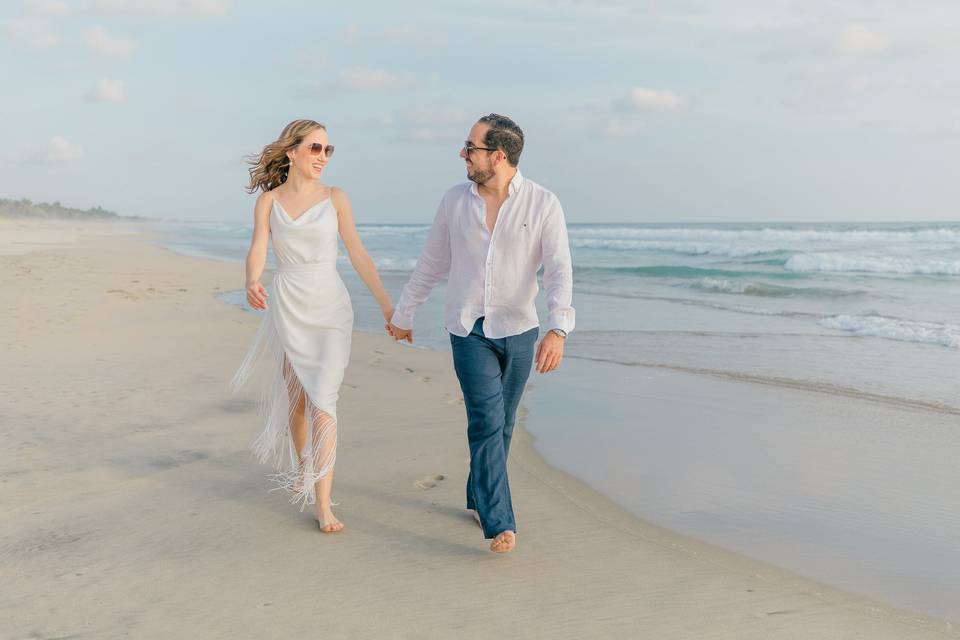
(317, 149)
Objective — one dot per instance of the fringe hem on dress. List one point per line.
(266, 370)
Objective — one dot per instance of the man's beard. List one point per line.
(481, 177)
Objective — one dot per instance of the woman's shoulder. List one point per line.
(264, 205)
(267, 197)
(337, 195)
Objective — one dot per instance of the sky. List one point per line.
(634, 111)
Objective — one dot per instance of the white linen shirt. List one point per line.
(494, 276)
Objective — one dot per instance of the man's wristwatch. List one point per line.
(559, 332)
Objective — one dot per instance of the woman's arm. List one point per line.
(359, 257)
(257, 255)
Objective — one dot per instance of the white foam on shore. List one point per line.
(947, 335)
(871, 263)
(768, 235)
(723, 285)
(936, 243)
(669, 246)
(395, 264)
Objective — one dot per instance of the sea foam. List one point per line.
(946, 335)
(871, 263)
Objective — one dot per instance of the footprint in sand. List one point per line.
(123, 293)
(429, 482)
(408, 369)
(424, 379)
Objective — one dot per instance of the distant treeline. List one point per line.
(26, 209)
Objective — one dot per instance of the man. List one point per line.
(489, 238)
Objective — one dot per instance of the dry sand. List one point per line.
(132, 508)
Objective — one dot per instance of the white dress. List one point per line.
(301, 348)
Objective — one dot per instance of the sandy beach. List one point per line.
(133, 508)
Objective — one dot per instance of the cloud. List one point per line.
(105, 44)
(646, 100)
(425, 123)
(403, 35)
(62, 150)
(48, 7)
(631, 114)
(363, 79)
(308, 58)
(107, 91)
(434, 116)
(170, 8)
(621, 128)
(435, 124)
(860, 40)
(29, 34)
(827, 41)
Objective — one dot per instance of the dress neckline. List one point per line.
(302, 213)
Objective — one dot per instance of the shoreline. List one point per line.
(575, 545)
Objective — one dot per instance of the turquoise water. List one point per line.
(871, 308)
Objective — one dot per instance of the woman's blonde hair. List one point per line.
(272, 166)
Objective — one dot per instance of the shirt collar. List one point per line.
(515, 183)
(512, 188)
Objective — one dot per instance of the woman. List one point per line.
(303, 344)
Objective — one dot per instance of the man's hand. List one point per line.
(400, 334)
(549, 353)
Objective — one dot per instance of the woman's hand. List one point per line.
(387, 316)
(257, 295)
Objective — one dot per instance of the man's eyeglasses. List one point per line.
(468, 148)
(316, 149)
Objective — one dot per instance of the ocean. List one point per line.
(863, 316)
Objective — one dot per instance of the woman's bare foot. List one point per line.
(327, 521)
(504, 542)
(331, 527)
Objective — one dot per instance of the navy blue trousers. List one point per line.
(492, 374)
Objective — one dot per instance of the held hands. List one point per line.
(257, 295)
(399, 334)
(549, 353)
(393, 330)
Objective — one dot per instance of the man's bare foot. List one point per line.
(504, 542)
(328, 522)
(476, 517)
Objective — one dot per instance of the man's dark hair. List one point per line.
(504, 134)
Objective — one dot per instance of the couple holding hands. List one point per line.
(489, 238)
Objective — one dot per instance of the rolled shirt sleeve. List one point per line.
(557, 270)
